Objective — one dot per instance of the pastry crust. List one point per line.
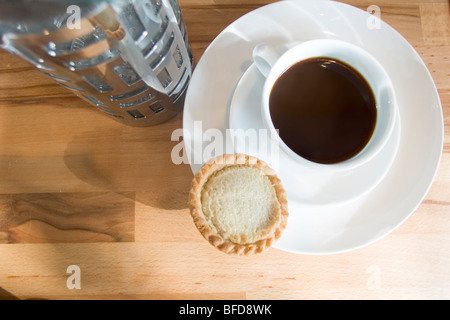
(273, 231)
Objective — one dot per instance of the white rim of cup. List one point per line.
(382, 131)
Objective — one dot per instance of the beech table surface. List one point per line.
(77, 188)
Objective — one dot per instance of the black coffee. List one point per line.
(324, 109)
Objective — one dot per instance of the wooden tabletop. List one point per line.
(79, 190)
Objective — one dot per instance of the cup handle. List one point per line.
(265, 55)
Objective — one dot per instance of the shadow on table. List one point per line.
(137, 160)
(6, 295)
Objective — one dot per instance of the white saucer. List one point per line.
(327, 229)
(304, 186)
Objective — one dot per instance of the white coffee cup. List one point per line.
(272, 64)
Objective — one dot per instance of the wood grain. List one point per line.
(77, 188)
(67, 217)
